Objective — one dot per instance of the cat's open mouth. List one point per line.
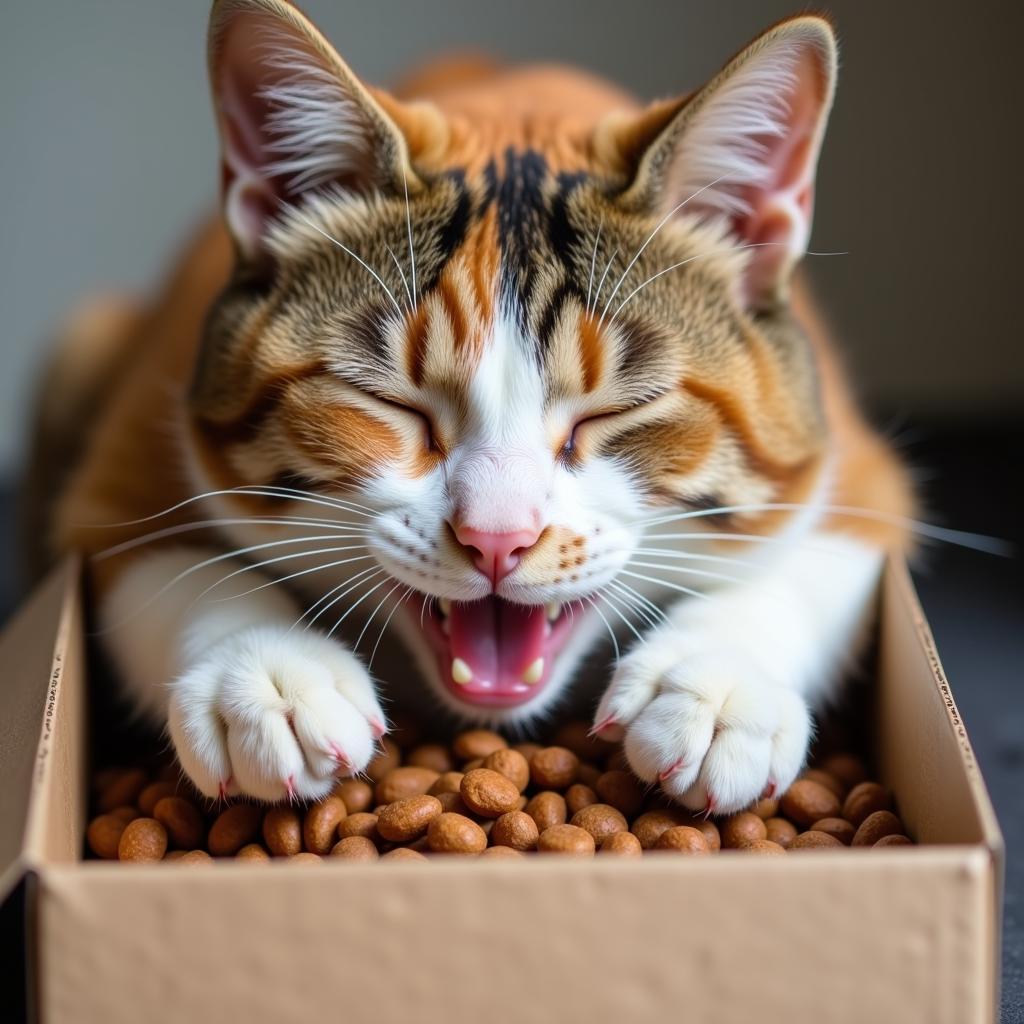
(493, 653)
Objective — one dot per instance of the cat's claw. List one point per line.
(278, 714)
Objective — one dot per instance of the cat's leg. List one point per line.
(252, 705)
(715, 703)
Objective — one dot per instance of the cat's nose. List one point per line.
(496, 554)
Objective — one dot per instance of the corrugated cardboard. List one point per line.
(903, 935)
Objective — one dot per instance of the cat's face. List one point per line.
(495, 372)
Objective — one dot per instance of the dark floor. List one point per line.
(975, 604)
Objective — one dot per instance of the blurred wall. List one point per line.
(107, 156)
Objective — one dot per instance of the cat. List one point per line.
(511, 362)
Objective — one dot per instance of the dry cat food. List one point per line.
(482, 796)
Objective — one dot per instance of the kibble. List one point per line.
(479, 796)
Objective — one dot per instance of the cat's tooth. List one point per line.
(554, 609)
(461, 672)
(445, 605)
(533, 672)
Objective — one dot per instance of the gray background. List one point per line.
(107, 156)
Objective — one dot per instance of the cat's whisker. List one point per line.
(961, 538)
(600, 284)
(665, 583)
(356, 604)
(280, 579)
(366, 625)
(703, 573)
(704, 255)
(257, 490)
(365, 575)
(423, 608)
(308, 221)
(593, 265)
(342, 531)
(405, 282)
(412, 250)
(653, 614)
(606, 597)
(664, 220)
(383, 629)
(607, 625)
(292, 576)
(690, 556)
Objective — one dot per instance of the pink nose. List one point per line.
(496, 554)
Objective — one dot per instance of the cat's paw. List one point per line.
(274, 715)
(711, 728)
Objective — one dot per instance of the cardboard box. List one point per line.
(904, 934)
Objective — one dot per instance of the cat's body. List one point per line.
(424, 338)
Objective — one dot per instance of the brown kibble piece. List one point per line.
(826, 779)
(765, 808)
(578, 796)
(568, 839)
(762, 846)
(864, 799)
(778, 830)
(192, 857)
(446, 782)
(850, 770)
(455, 833)
(282, 831)
(622, 844)
(431, 755)
(452, 803)
(807, 801)
(184, 822)
(815, 841)
(402, 782)
(234, 827)
(877, 826)
(387, 759)
(362, 824)
(104, 835)
(617, 761)
(527, 749)
(143, 839)
(600, 820)
(498, 852)
(125, 789)
(650, 825)
(547, 808)
(488, 793)
(516, 829)
(152, 794)
(305, 858)
(512, 765)
(355, 848)
(575, 736)
(588, 774)
(709, 830)
(554, 768)
(407, 819)
(622, 790)
(357, 794)
(895, 839)
(476, 743)
(320, 825)
(126, 813)
(402, 853)
(252, 852)
(683, 839)
(742, 828)
(840, 828)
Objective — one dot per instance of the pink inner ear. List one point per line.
(781, 210)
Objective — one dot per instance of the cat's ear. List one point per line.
(292, 117)
(744, 149)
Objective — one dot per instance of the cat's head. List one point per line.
(499, 343)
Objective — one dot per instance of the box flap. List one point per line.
(32, 650)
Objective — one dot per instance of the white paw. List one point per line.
(272, 715)
(712, 728)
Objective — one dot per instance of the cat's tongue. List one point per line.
(497, 650)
